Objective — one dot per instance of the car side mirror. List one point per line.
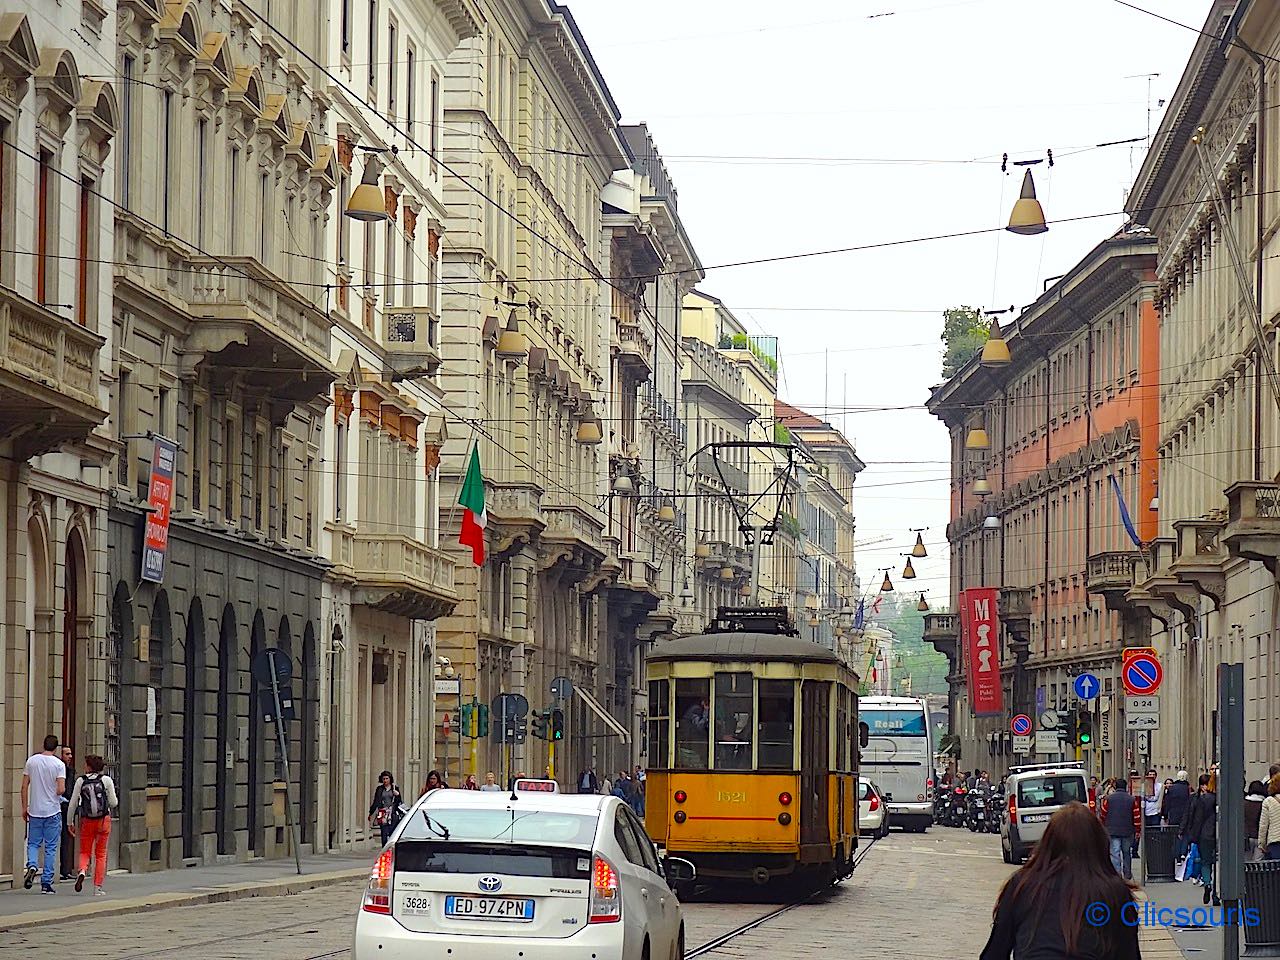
(677, 870)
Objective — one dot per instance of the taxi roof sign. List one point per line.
(537, 786)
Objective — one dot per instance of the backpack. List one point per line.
(93, 798)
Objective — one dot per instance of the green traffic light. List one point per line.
(1086, 737)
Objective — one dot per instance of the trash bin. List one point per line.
(1161, 843)
(1262, 893)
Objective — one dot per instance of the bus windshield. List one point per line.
(895, 723)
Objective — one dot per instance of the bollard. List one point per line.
(1160, 845)
(1262, 893)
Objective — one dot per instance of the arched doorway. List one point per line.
(159, 649)
(307, 749)
(192, 724)
(73, 665)
(257, 736)
(39, 628)
(337, 824)
(225, 779)
(284, 643)
(116, 738)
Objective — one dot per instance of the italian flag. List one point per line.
(474, 516)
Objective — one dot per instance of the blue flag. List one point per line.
(1124, 514)
(860, 617)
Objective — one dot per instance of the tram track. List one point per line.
(715, 943)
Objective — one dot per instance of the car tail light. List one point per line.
(1013, 806)
(679, 816)
(873, 802)
(606, 895)
(681, 796)
(784, 798)
(784, 818)
(377, 895)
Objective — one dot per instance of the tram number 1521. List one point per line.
(731, 796)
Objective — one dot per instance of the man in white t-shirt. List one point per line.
(44, 779)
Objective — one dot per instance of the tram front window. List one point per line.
(777, 724)
(733, 711)
(693, 724)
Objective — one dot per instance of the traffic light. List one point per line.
(482, 720)
(557, 724)
(539, 725)
(466, 719)
(1071, 728)
(1084, 729)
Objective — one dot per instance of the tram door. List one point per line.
(815, 733)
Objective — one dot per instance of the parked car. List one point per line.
(540, 875)
(873, 812)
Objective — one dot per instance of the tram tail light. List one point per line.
(784, 798)
(681, 796)
(784, 818)
(606, 895)
(679, 816)
(377, 895)
(929, 783)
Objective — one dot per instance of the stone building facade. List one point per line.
(58, 146)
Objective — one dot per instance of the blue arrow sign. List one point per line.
(1087, 686)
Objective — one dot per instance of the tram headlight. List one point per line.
(681, 796)
(784, 798)
(680, 816)
(784, 818)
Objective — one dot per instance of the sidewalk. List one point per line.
(140, 892)
(1194, 944)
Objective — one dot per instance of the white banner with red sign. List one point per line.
(155, 543)
(980, 634)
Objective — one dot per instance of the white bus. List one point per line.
(898, 757)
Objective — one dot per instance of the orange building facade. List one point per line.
(1078, 405)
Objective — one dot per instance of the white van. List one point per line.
(1034, 794)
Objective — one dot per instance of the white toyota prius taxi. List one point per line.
(496, 875)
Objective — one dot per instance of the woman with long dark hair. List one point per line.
(1068, 902)
(384, 811)
(434, 782)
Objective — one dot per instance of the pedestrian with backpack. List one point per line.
(94, 798)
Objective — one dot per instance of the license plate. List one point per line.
(1036, 817)
(488, 908)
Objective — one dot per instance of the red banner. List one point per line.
(980, 635)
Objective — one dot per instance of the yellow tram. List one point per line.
(752, 748)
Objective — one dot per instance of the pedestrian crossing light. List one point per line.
(1084, 729)
(557, 724)
(482, 720)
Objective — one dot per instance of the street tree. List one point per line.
(963, 331)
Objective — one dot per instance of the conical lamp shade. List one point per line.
(981, 488)
(702, 551)
(589, 432)
(908, 572)
(368, 202)
(918, 551)
(977, 439)
(887, 586)
(1027, 217)
(667, 513)
(995, 352)
(745, 591)
(923, 605)
(726, 573)
(813, 621)
(512, 343)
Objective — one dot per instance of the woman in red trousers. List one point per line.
(94, 797)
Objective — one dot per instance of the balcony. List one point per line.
(572, 541)
(251, 322)
(398, 574)
(639, 573)
(722, 471)
(48, 377)
(1252, 530)
(1110, 576)
(1202, 557)
(515, 517)
(1159, 581)
(412, 341)
(942, 630)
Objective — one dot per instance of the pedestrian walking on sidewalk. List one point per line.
(1177, 798)
(1067, 902)
(1121, 816)
(67, 851)
(1269, 821)
(491, 782)
(434, 782)
(44, 779)
(384, 811)
(94, 798)
(1201, 828)
(1254, 798)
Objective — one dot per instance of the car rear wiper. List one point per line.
(514, 821)
(439, 829)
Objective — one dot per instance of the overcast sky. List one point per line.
(944, 87)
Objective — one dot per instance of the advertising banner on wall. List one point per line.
(980, 633)
(155, 542)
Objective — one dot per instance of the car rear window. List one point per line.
(500, 823)
(1050, 791)
(425, 856)
(862, 791)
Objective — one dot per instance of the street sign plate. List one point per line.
(1144, 742)
(1142, 721)
(1087, 686)
(1128, 652)
(1104, 728)
(562, 688)
(1049, 720)
(272, 660)
(1047, 741)
(1020, 725)
(509, 705)
(1141, 704)
(1141, 675)
(448, 688)
(1022, 745)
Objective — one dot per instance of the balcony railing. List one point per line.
(412, 339)
(1110, 572)
(1253, 522)
(941, 626)
(734, 477)
(48, 375)
(402, 575)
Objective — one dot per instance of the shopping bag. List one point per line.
(1180, 871)
(1193, 861)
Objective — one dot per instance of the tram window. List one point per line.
(659, 724)
(777, 724)
(733, 709)
(693, 728)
